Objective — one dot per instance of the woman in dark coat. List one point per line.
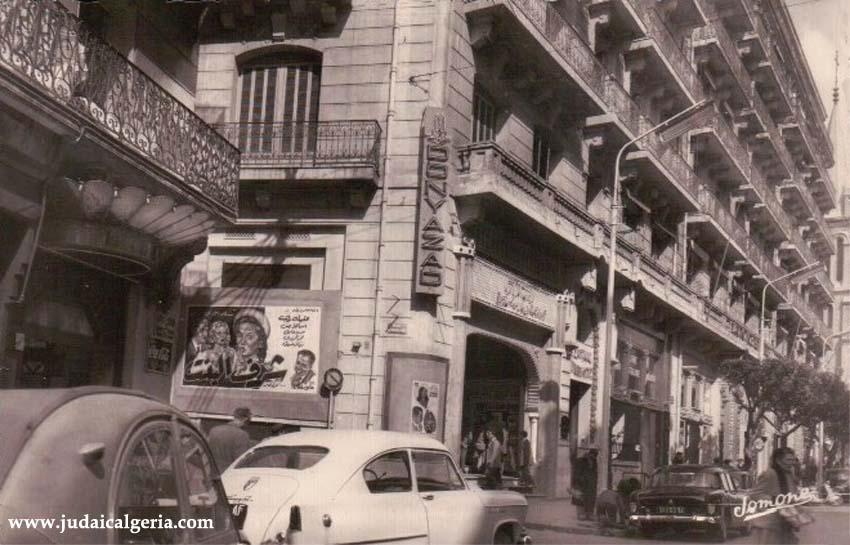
(778, 479)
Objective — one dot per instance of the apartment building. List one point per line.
(427, 184)
(423, 202)
(109, 183)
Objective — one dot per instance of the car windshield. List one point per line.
(285, 457)
(704, 479)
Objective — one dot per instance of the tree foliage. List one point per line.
(788, 395)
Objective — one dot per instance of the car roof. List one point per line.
(348, 450)
(23, 411)
(366, 442)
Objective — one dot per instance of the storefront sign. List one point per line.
(582, 363)
(509, 293)
(425, 407)
(433, 216)
(270, 348)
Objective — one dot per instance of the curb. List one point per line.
(616, 532)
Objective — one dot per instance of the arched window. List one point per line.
(279, 102)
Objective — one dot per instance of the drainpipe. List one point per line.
(376, 318)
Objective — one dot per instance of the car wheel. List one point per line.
(503, 537)
(720, 532)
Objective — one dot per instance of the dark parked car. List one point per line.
(839, 480)
(686, 497)
(742, 480)
(82, 453)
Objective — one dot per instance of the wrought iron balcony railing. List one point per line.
(717, 32)
(674, 54)
(306, 143)
(489, 156)
(570, 45)
(46, 48)
(785, 79)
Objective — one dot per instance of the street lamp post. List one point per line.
(608, 349)
(811, 268)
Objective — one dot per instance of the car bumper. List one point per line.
(640, 520)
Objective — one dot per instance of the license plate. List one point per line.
(239, 511)
(671, 510)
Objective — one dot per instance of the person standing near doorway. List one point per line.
(228, 441)
(525, 478)
(493, 471)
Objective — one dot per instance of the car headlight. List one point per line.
(633, 507)
(710, 508)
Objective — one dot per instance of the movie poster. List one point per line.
(272, 348)
(425, 407)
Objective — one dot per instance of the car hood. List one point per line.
(263, 492)
(664, 492)
(502, 498)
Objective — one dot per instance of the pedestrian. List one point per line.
(778, 479)
(481, 452)
(493, 468)
(586, 480)
(467, 452)
(679, 457)
(525, 478)
(228, 441)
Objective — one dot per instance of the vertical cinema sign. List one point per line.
(433, 193)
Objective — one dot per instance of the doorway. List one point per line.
(495, 388)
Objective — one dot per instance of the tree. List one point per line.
(777, 391)
(832, 401)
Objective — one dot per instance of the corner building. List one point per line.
(109, 184)
(424, 192)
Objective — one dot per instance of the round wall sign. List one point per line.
(333, 380)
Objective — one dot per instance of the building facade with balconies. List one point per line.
(110, 184)
(424, 194)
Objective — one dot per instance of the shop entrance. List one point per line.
(73, 325)
(495, 387)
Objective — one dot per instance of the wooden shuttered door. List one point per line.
(279, 109)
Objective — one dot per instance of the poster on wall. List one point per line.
(161, 344)
(425, 404)
(272, 348)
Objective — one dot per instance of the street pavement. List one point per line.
(554, 522)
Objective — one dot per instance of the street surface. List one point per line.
(831, 527)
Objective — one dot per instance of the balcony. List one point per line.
(307, 150)
(60, 72)
(772, 73)
(488, 172)
(548, 27)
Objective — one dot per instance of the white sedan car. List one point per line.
(341, 486)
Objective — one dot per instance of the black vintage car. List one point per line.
(688, 497)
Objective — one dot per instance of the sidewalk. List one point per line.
(560, 515)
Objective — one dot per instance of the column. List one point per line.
(465, 254)
(533, 420)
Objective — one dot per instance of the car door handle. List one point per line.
(428, 497)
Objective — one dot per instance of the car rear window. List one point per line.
(285, 457)
(702, 479)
